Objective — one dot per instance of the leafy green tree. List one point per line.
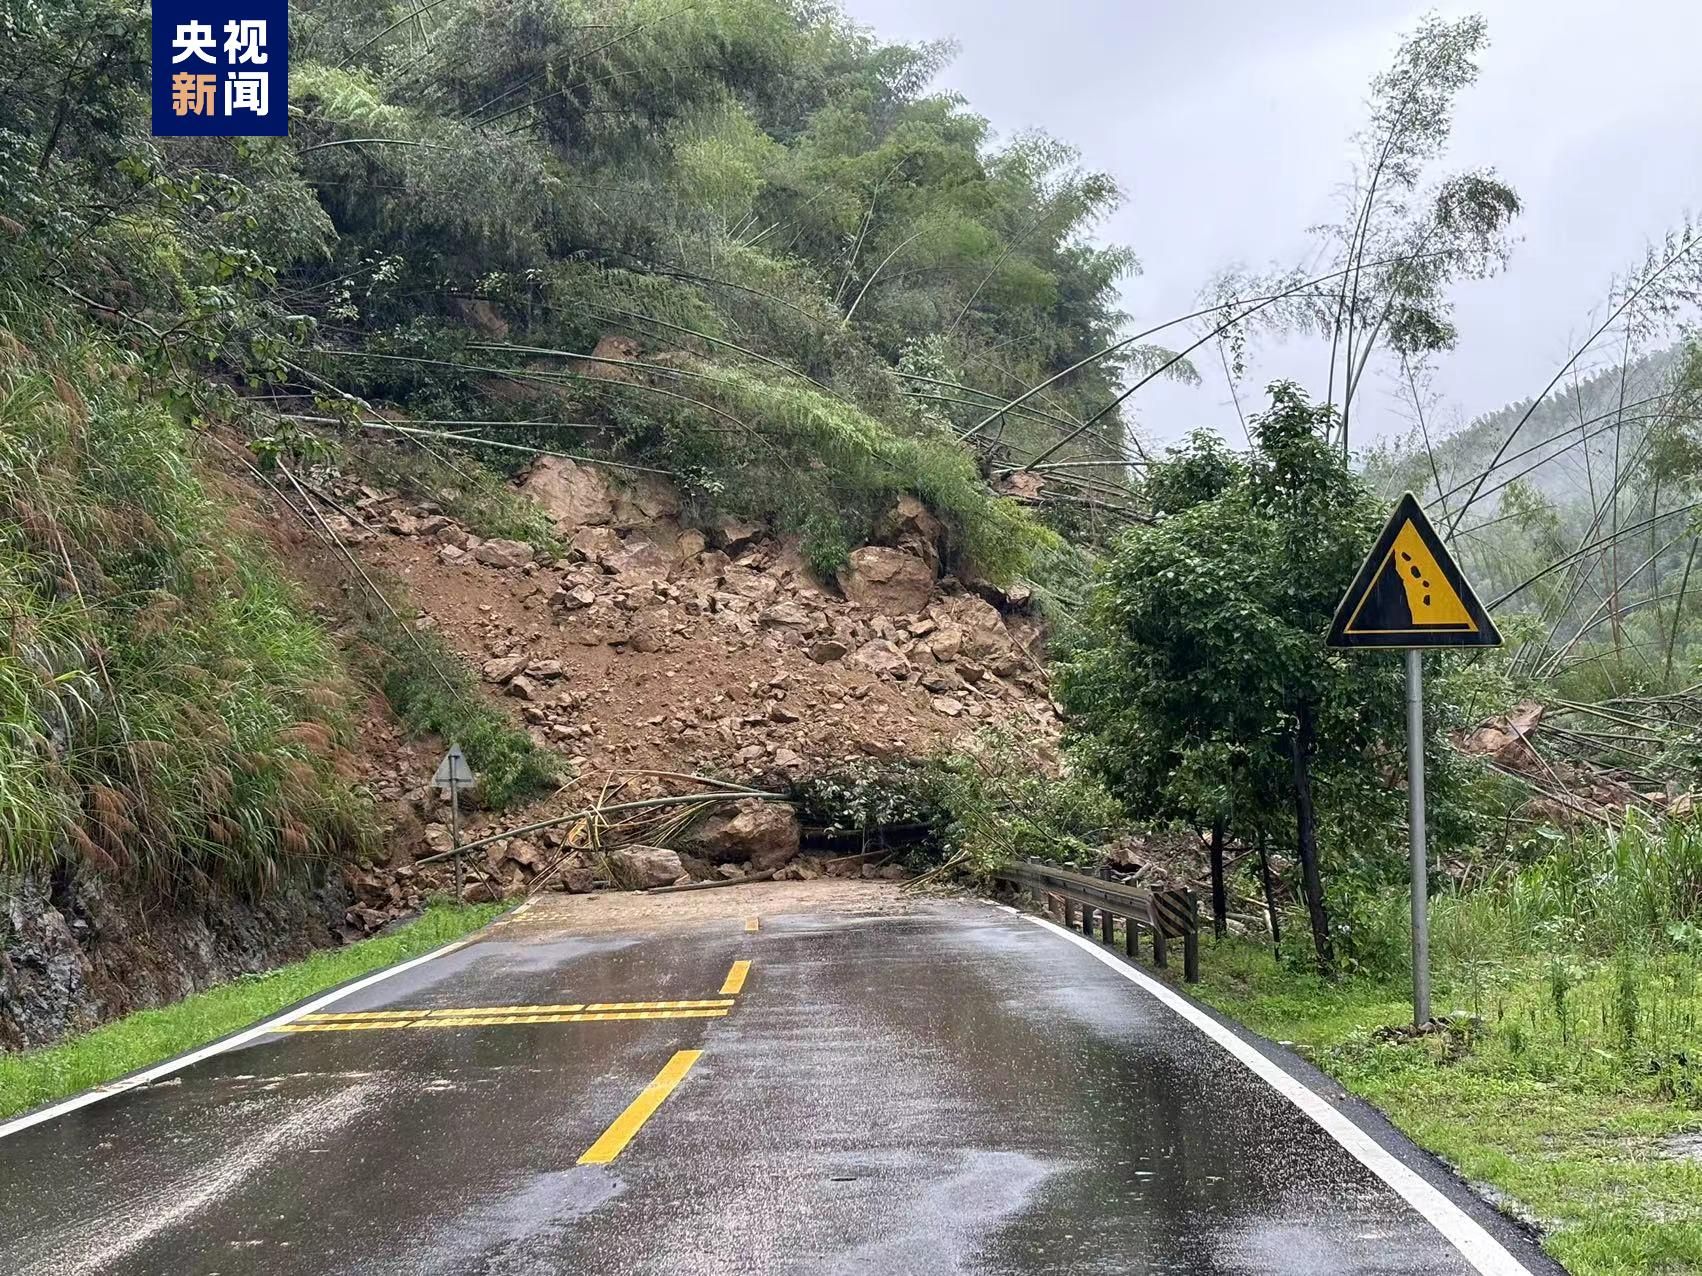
(1200, 687)
(1405, 237)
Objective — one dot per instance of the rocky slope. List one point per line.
(656, 645)
(649, 644)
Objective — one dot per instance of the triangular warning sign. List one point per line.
(453, 771)
(1410, 593)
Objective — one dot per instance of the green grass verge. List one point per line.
(35, 1077)
(1568, 1127)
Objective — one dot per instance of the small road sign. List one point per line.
(453, 775)
(1411, 594)
(453, 772)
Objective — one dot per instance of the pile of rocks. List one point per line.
(636, 641)
(383, 895)
(719, 645)
(735, 840)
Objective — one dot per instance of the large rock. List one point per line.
(732, 535)
(1504, 737)
(574, 495)
(786, 615)
(910, 526)
(638, 560)
(594, 544)
(502, 668)
(888, 580)
(828, 650)
(644, 500)
(880, 657)
(576, 875)
(976, 624)
(503, 553)
(765, 833)
(641, 867)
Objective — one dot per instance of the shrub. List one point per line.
(433, 693)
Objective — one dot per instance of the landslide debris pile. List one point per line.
(736, 241)
(649, 645)
(652, 644)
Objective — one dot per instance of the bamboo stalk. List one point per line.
(710, 885)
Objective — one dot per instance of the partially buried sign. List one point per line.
(453, 773)
(1410, 593)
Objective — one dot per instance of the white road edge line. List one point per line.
(1463, 1232)
(150, 1075)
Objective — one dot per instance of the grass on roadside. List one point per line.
(36, 1077)
(1570, 1129)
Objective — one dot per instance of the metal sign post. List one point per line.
(453, 775)
(455, 840)
(1415, 834)
(1410, 595)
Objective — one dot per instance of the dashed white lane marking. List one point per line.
(170, 1066)
(1480, 1249)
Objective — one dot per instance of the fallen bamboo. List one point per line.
(571, 816)
(713, 883)
(938, 871)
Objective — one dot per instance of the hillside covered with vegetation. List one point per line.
(745, 247)
(808, 255)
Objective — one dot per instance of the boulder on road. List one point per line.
(641, 867)
(764, 833)
(887, 580)
(576, 876)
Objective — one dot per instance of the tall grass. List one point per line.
(167, 709)
(1582, 964)
(1637, 886)
(812, 462)
(1589, 894)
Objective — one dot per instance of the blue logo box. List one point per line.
(221, 69)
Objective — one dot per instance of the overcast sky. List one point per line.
(1227, 124)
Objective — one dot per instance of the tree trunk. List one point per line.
(1270, 892)
(1306, 839)
(1219, 896)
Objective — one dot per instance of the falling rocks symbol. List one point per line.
(1409, 592)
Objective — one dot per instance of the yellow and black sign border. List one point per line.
(1407, 509)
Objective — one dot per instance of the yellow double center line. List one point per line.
(488, 1016)
(500, 1016)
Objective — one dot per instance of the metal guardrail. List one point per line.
(1164, 914)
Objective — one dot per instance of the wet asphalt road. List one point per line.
(952, 1090)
